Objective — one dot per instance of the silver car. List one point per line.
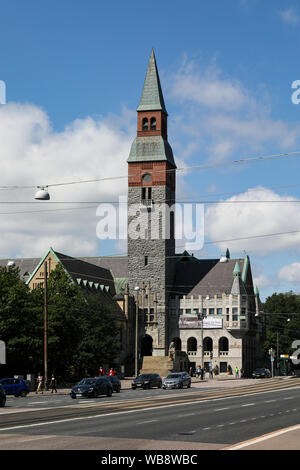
(177, 380)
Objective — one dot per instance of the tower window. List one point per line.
(145, 124)
(153, 124)
(147, 193)
(146, 260)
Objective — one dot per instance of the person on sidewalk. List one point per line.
(53, 383)
(101, 371)
(111, 372)
(236, 372)
(39, 383)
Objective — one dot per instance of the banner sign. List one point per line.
(186, 323)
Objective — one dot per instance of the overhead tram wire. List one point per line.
(187, 168)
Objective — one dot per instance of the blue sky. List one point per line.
(74, 72)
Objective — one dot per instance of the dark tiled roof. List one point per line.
(205, 277)
(80, 269)
(25, 265)
(118, 265)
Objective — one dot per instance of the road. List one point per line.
(189, 419)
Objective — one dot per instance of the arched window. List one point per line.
(223, 346)
(192, 345)
(207, 344)
(145, 124)
(153, 124)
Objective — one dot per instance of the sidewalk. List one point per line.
(216, 382)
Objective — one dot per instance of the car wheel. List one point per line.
(159, 385)
(109, 392)
(3, 401)
(189, 385)
(23, 393)
(118, 390)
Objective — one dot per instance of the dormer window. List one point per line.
(153, 124)
(145, 124)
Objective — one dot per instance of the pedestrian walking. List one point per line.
(202, 373)
(211, 374)
(101, 371)
(111, 372)
(39, 383)
(198, 371)
(53, 383)
(236, 372)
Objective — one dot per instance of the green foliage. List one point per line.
(282, 321)
(81, 331)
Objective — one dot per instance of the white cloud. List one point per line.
(235, 220)
(290, 273)
(289, 16)
(32, 153)
(207, 88)
(223, 118)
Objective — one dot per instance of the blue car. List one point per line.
(16, 387)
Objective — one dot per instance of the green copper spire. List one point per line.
(256, 291)
(236, 271)
(152, 98)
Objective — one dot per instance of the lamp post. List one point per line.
(201, 317)
(45, 328)
(137, 289)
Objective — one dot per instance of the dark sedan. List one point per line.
(261, 373)
(92, 388)
(2, 396)
(147, 381)
(116, 383)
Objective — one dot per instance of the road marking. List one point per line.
(103, 414)
(249, 404)
(262, 438)
(270, 401)
(221, 409)
(147, 422)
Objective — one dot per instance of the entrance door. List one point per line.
(146, 347)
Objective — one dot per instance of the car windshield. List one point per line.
(260, 370)
(174, 376)
(87, 382)
(145, 376)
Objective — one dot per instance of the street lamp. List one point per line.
(201, 316)
(42, 193)
(137, 289)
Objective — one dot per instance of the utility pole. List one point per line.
(45, 328)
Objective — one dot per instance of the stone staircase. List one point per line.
(157, 364)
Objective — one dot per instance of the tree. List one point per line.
(14, 331)
(282, 321)
(81, 330)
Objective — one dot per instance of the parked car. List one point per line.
(147, 381)
(177, 380)
(261, 373)
(92, 387)
(116, 383)
(16, 387)
(2, 396)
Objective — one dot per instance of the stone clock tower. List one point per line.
(151, 195)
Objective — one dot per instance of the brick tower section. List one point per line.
(151, 196)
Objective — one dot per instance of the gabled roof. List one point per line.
(81, 272)
(152, 98)
(211, 277)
